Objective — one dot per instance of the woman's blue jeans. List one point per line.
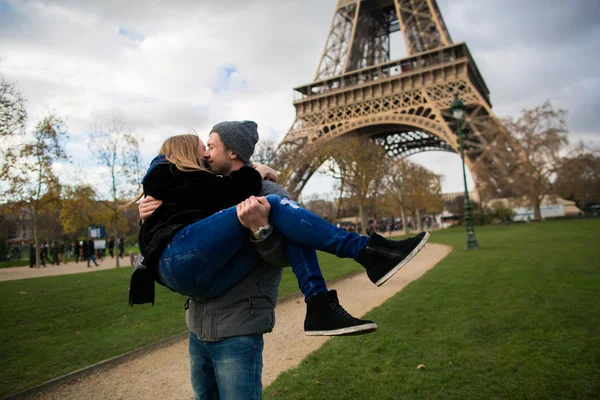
(210, 256)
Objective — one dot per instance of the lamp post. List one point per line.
(458, 112)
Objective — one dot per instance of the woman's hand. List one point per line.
(267, 173)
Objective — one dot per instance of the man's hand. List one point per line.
(147, 207)
(267, 173)
(253, 212)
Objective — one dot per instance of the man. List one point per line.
(121, 245)
(111, 247)
(91, 250)
(226, 333)
(32, 255)
(61, 252)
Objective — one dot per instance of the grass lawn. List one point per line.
(55, 325)
(517, 319)
(14, 263)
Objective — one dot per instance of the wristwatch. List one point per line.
(263, 232)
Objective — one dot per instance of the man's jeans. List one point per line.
(210, 256)
(228, 369)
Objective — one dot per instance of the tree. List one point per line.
(541, 133)
(13, 114)
(413, 187)
(320, 205)
(80, 209)
(578, 177)
(265, 153)
(29, 169)
(359, 165)
(424, 192)
(117, 149)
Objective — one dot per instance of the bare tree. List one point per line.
(320, 205)
(265, 153)
(117, 149)
(13, 113)
(29, 169)
(542, 133)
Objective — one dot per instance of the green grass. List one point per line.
(55, 325)
(14, 263)
(517, 319)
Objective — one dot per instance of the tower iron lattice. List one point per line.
(401, 104)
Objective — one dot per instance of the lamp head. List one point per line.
(457, 108)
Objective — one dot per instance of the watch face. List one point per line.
(263, 232)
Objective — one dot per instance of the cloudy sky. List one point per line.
(164, 67)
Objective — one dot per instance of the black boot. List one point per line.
(382, 258)
(326, 317)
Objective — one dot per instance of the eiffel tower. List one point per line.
(401, 104)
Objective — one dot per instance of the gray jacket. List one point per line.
(249, 307)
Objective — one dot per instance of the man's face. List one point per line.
(217, 156)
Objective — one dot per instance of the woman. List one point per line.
(200, 248)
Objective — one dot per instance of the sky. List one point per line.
(167, 67)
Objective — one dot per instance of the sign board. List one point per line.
(96, 231)
(526, 213)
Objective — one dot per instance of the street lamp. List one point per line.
(458, 112)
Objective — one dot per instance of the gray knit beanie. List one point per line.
(239, 136)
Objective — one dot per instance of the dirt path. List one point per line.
(11, 274)
(164, 373)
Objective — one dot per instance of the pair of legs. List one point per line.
(212, 255)
(228, 369)
(91, 257)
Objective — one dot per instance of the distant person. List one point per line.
(132, 258)
(44, 253)
(121, 244)
(111, 247)
(76, 251)
(90, 248)
(32, 255)
(84, 250)
(54, 252)
(61, 251)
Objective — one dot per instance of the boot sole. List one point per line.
(350, 331)
(402, 263)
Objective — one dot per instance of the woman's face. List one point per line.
(201, 148)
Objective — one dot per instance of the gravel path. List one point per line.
(164, 373)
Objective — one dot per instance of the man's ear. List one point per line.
(233, 156)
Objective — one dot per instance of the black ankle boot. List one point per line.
(382, 258)
(326, 317)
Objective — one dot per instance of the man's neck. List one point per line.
(235, 165)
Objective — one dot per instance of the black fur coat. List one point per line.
(188, 197)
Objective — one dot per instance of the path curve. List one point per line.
(164, 373)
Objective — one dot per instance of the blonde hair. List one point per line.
(183, 152)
